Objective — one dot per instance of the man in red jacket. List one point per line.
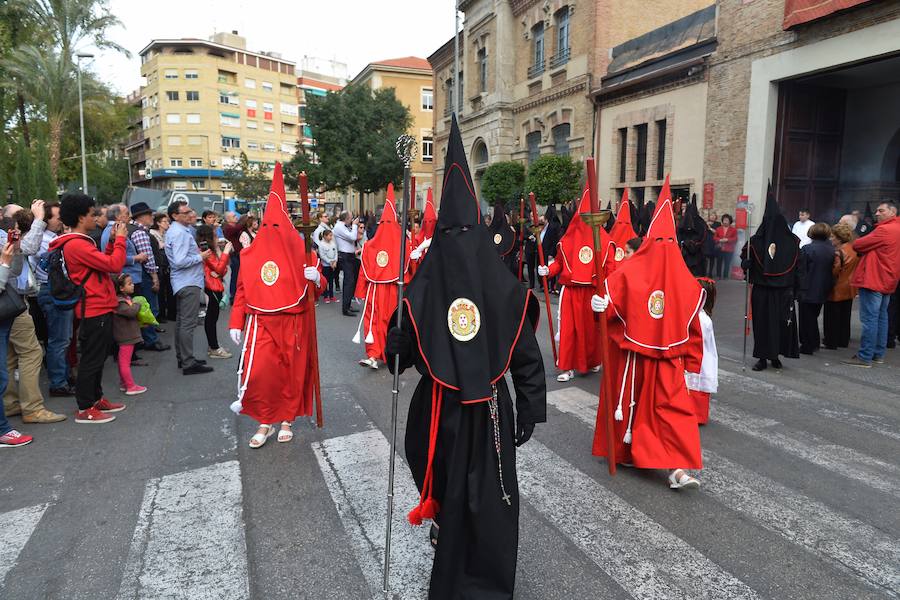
(90, 267)
(876, 276)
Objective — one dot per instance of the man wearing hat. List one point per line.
(139, 235)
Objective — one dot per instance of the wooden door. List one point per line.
(808, 149)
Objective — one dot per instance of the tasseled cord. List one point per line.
(428, 507)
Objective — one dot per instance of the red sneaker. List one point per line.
(92, 415)
(104, 405)
(14, 439)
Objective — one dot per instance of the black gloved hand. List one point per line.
(397, 342)
(523, 432)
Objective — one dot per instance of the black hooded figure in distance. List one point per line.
(467, 322)
(504, 238)
(692, 237)
(772, 257)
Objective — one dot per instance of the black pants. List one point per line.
(836, 324)
(531, 269)
(808, 320)
(722, 264)
(330, 275)
(167, 306)
(212, 317)
(893, 316)
(40, 320)
(96, 337)
(349, 267)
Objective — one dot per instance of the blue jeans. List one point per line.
(145, 289)
(873, 314)
(5, 326)
(59, 334)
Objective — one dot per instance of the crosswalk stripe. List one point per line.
(17, 527)
(355, 468)
(189, 540)
(643, 557)
(863, 550)
(758, 387)
(850, 463)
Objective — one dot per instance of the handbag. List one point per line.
(12, 304)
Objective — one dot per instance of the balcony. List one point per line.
(536, 70)
(560, 58)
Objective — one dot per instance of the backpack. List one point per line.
(64, 292)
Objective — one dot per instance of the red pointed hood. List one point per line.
(655, 298)
(576, 247)
(381, 255)
(272, 267)
(622, 230)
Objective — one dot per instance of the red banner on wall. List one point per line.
(709, 194)
(740, 212)
(797, 12)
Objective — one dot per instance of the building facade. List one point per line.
(206, 102)
(411, 79)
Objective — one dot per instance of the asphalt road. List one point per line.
(799, 492)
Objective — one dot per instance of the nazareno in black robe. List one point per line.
(772, 257)
(692, 233)
(504, 239)
(471, 486)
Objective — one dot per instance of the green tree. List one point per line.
(25, 190)
(503, 182)
(355, 131)
(250, 180)
(107, 178)
(44, 183)
(73, 23)
(554, 179)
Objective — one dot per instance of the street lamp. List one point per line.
(84, 182)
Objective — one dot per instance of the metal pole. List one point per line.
(747, 293)
(208, 174)
(456, 99)
(406, 145)
(84, 181)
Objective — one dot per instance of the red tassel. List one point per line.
(430, 508)
(415, 516)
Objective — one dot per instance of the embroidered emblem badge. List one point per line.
(381, 259)
(497, 239)
(463, 319)
(269, 273)
(656, 304)
(772, 250)
(586, 254)
(620, 254)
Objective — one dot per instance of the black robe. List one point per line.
(477, 552)
(692, 236)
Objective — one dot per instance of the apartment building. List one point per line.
(206, 102)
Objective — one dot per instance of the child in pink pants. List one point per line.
(127, 333)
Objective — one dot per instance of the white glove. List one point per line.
(543, 271)
(599, 304)
(235, 336)
(312, 274)
(415, 254)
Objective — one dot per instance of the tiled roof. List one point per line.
(408, 62)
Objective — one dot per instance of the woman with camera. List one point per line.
(214, 268)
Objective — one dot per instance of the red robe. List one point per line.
(579, 348)
(656, 336)
(272, 307)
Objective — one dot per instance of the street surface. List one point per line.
(799, 496)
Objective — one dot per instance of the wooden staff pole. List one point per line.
(307, 229)
(536, 230)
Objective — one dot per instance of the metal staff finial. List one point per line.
(406, 149)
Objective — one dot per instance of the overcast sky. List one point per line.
(355, 32)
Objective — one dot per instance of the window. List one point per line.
(175, 162)
(623, 152)
(449, 103)
(173, 118)
(198, 184)
(179, 185)
(462, 92)
(192, 96)
(307, 131)
(156, 120)
(227, 77)
(267, 86)
(196, 162)
(252, 145)
(231, 142)
(174, 140)
(288, 128)
(191, 74)
(144, 102)
(537, 53)
(145, 122)
(252, 124)
(427, 99)
(193, 118)
(562, 36)
(270, 127)
(195, 140)
(269, 147)
(427, 149)
(641, 154)
(171, 74)
(288, 148)
(481, 154)
(561, 139)
(660, 149)
(250, 103)
(250, 83)
(533, 142)
(229, 120)
(482, 70)
(288, 109)
(287, 89)
(226, 186)
(172, 96)
(268, 109)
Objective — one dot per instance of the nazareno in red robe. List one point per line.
(275, 376)
(377, 283)
(579, 347)
(655, 337)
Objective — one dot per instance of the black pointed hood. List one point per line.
(612, 217)
(773, 248)
(466, 307)
(503, 237)
(551, 216)
(692, 232)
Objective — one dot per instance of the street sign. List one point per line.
(709, 192)
(740, 212)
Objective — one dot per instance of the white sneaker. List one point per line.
(369, 362)
(219, 353)
(682, 481)
(595, 369)
(565, 376)
(201, 314)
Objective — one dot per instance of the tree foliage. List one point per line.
(44, 182)
(503, 182)
(249, 180)
(355, 131)
(25, 191)
(554, 179)
(107, 177)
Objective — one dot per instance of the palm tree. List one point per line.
(72, 23)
